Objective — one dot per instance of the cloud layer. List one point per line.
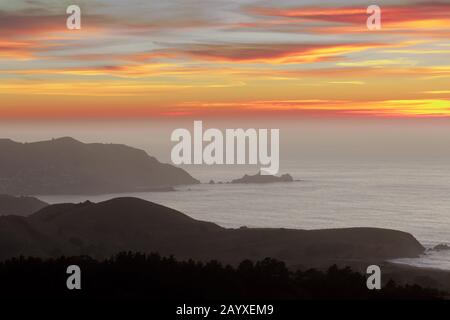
(209, 58)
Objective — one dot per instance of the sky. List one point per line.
(140, 59)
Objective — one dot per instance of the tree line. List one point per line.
(131, 275)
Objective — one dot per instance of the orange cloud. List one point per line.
(404, 108)
(275, 53)
(383, 108)
(114, 60)
(23, 35)
(407, 18)
(15, 49)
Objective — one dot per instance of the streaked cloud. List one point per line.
(224, 57)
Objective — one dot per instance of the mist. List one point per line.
(300, 140)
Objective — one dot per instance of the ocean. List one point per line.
(407, 197)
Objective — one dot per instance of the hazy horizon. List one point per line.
(300, 140)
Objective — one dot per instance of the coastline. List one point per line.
(400, 273)
(426, 277)
(119, 225)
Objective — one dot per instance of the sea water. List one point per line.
(414, 198)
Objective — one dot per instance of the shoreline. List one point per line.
(400, 273)
(426, 277)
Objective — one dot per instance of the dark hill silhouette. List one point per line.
(19, 206)
(259, 178)
(18, 236)
(123, 224)
(68, 166)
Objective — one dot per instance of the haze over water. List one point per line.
(408, 198)
(352, 175)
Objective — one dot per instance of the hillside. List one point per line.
(124, 224)
(67, 166)
(19, 206)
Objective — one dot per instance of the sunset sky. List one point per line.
(223, 58)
